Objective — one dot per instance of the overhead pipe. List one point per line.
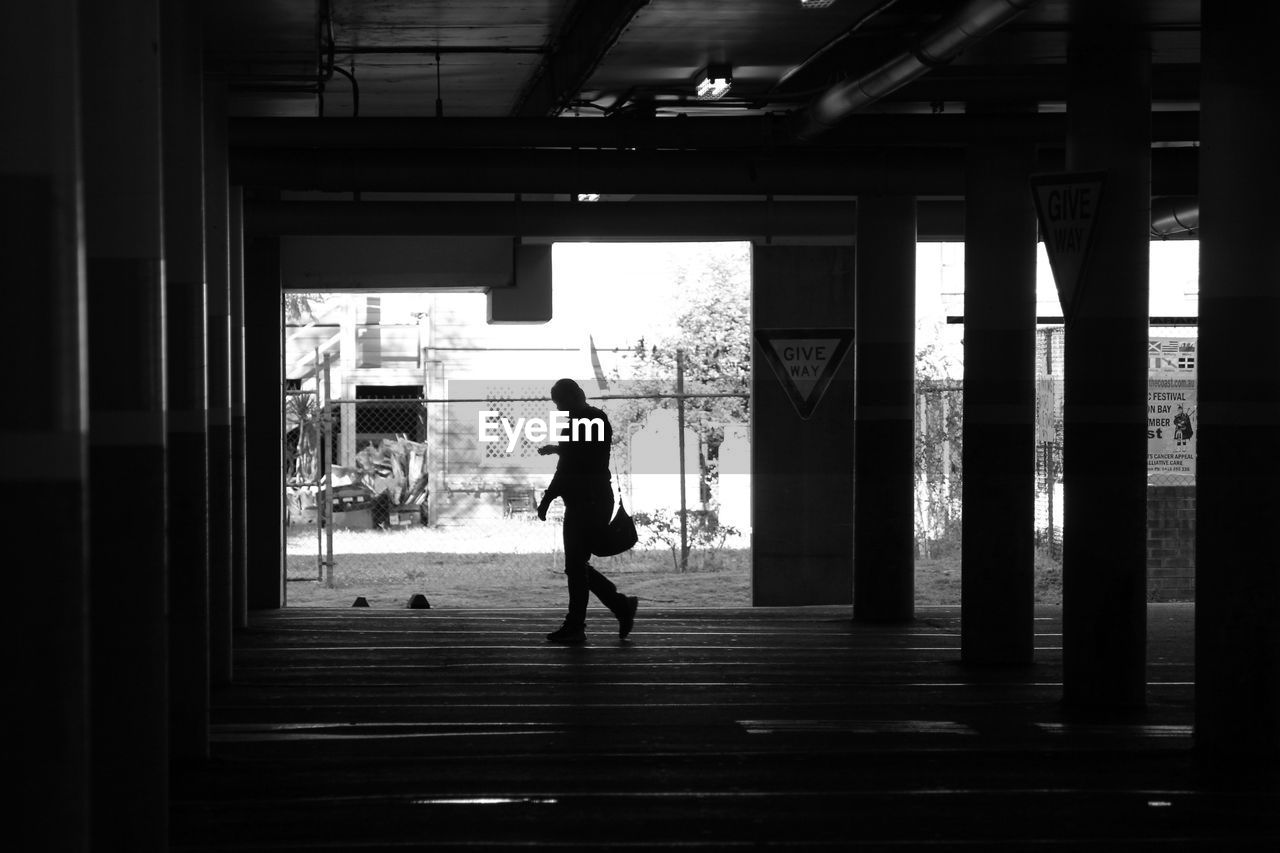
(1173, 216)
(974, 21)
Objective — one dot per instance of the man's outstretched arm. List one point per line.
(555, 488)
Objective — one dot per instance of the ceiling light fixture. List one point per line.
(815, 4)
(586, 197)
(715, 82)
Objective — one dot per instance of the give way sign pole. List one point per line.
(1067, 206)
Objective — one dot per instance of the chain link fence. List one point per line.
(1171, 455)
(938, 417)
(400, 488)
(1050, 369)
(394, 482)
(1170, 461)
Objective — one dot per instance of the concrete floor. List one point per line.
(366, 730)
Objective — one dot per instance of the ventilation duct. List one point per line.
(974, 21)
(1173, 216)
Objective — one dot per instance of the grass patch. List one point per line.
(518, 563)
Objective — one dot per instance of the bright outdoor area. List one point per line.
(385, 393)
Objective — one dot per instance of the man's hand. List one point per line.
(543, 506)
(548, 449)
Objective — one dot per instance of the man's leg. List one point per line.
(580, 523)
(577, 550)
(623, 606)
(604, 589)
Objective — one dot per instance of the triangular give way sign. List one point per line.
(1067, 206)
(805, 361)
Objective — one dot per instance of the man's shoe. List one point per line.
(567, 634)
(627, 616)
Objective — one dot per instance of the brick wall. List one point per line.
(1171, 543)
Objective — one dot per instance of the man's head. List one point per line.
(567, 394)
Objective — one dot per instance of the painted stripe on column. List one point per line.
(998, 328)
(44, 457)
(904, 412)
(127, 429)
(1105, 414)
(997, 413)
(189, 421)
(126, 331)
(1259, 414)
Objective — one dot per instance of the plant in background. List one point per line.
(703, 531)
(302, 422)
(714, 333)
(301, 308)
(939, 419)
(712, 336)
(710, 535)
(660, 527)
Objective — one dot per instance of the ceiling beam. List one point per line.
(684, 220)
(915, 171)
(937, 172)
(680, 133)
(587, 34)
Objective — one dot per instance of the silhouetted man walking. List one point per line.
(582, 482)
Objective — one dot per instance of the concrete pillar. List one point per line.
(218, 271)
(998, 543)
(1105, 380)
(183, 92)
(1237, 574)
(239, 518)
(263, 419)
(884, 484)
(127, 455)
(43, 488)
(528, 298)
(802, 469)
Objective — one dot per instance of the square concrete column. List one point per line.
(1105, 377)
(1237, 500)
(125, 266)
(998, 542)
(884, 410)
(801, 468)
(263, 423)
(43, 488)
(239, 515)
(187, 377)
(218, 273)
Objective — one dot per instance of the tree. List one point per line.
(939, 418)
(714, 334)
(300, 308)
(713, 338)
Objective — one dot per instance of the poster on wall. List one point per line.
(1171, 411)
